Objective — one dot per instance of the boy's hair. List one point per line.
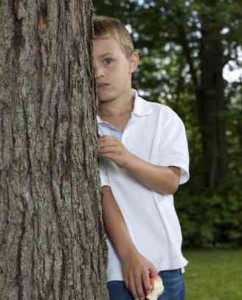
(104, 25)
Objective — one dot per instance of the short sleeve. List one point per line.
(173, 147)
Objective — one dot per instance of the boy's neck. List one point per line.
(117, 107)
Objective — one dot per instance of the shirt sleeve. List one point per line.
(173, 148)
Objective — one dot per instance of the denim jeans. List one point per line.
(174, 288)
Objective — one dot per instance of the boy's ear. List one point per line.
(134, 61)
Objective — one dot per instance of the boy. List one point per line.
(144, 157)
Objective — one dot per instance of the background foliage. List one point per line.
(187, 48)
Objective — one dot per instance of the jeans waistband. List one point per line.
(172, 272)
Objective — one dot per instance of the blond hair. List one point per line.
(104, 25)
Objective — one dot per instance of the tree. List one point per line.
(52, 243)
(208, 84)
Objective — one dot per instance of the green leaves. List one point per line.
(210, 221)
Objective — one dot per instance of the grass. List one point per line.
(214, 275)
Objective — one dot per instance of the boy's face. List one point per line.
(113, 69)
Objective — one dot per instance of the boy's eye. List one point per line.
(107, 61)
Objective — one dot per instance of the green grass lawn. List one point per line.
(214, 275)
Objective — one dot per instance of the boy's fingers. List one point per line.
(126, 282)
(107, 138)
(152, 276)
(139, 286)
(153, 271)
(146, 282)
(132, 287)
(105, 147)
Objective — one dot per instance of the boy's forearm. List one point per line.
(115, 225)
(163, 180)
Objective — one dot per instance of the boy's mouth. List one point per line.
(102, 85)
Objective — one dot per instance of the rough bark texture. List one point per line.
(51, 235)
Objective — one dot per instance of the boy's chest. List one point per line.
(139, 136)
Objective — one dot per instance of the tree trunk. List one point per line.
(211, 104)
(52, 243)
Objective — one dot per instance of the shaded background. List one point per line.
(191, 59)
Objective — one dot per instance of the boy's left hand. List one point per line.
(112, 148)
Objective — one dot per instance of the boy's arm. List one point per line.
(163, 180)
(136, 268)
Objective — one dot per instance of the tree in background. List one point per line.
(51, 234)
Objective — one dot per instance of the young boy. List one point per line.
(144, 158)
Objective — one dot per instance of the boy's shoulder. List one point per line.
(155, 108)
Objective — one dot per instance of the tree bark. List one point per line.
(52, 243)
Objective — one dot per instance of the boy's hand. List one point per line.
(158, 287)
(112, 148)
(136, 273)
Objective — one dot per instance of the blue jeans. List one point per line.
(174, 288)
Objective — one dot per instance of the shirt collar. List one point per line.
(99, 120)
(141, 107)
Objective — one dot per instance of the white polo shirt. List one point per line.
(156, 134)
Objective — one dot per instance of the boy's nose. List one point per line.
(98, 71)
